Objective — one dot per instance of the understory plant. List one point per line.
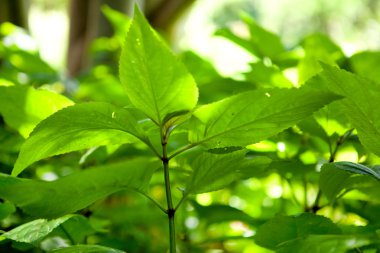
(172, 138)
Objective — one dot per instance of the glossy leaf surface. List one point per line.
(253, 116)
(214, 171)
(34, 230)
(362, 97)
(78, 127)
(155, 81)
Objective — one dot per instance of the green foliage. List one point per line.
(23, 107)
(214, 171)
(34, 230)
(283, 229)
(236, 170)
(87, 249)
(78, 127)
(155, 81)
(76, 191)
(236, 121)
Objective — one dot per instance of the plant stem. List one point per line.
(153, 201)
(333, 153)
(183, 149)
(171, 210)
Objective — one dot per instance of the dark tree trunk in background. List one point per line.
(14, 11)
(162, 14)
(87, 23)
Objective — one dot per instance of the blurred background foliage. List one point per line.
(72, 48)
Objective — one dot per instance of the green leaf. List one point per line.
(218, 213)
(264, 42)
(6, 209)
(252, 116)
(325, 243)
(242, 42)
(35, 230)
(87, 249)
(23, 107)
(317, 47)
(119, 21)
(332, 181)
(76, 191)
(267, 76)
(79, 127)
(215, 171)
(365, 63)
(155, 81)
(361, 97)
(341, 177)
(357, 168)
(285, 228)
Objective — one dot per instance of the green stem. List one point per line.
(180, 202)
(171, 210)
(183, 149)
(153, 200)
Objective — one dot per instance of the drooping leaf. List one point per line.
(23, 107)
(285, 228)
(326, 243)
(361, 97)
(341, 177)
(87, 249)
(252, 116)
(357, 168)
(76, 191)
(35, 230)
(79, 127)
(332, 181)
(215, 171)
(155, 81)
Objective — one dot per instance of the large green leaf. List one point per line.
(285, 228)
(35, 230)
(357, 168)
(326, 243)
(79, 127)
(362, 97)
(155, 81)
(215, 171)
(23, 107)
(255, 115)
(76, 191)
(87, 249)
